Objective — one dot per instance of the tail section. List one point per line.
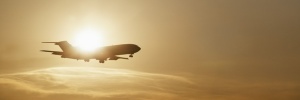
(64, 45)
(54, 52)
(49, 42)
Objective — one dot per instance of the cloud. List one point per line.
(90, 83)
(81, 83)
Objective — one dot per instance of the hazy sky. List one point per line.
(191, 50)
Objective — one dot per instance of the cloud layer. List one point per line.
(81, 83)
(89, 83)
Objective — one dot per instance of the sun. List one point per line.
(88, 40)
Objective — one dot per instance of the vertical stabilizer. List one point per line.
(64, 45)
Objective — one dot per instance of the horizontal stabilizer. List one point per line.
(54, 52)
(49, 51)
(49, 42)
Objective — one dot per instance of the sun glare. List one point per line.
(88, 40)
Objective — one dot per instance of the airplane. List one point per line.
(102, 54)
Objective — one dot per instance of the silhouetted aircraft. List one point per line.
(102, 54)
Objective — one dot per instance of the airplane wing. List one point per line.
(111, 58)
(53, 52)
(116, 58)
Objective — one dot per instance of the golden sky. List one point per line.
(191, 50)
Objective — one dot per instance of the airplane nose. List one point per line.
(138, 48)
(135, 48)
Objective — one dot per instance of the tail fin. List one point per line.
(64, 45)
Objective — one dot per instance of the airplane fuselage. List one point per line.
(121, 49)
(101, 54)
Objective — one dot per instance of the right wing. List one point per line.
(53, 52)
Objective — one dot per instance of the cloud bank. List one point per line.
(89, 83)
(82, 83)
